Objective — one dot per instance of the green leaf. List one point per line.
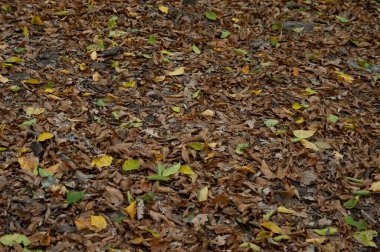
(44, 173)
(15, 88)
(240, 148)
(119, 219)
(74, 196)
(151, 40)
(30, 122)
(351, 203)
(332, 118)
(281, 237)
(326, 231)
(271, 122)
(160, 169)
(366, 237)
(354, 180)
(115, 115)
(13, 60)
(361, 193)
(112, 22)
(10, 239)
(361, 225)
(196, 49)
(249, 245)
(171, 170)
(116, 34)
(100, 103)
(20, 50)
(341, 19)
(158, 178)
(225, 34)
(196, 94)
(131, 164)
(310, 91)
(240, 51)
(149, 196)
(155, 234)
(196, 146)
(211, 15)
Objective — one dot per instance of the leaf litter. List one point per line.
(189, 126)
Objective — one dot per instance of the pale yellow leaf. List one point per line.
(159, 78)
(163, 9)
(131, 210)
(375, 186)
(282, 209)
(208, 113)
(44, 136)
(272, 226)
(98, 222)
(103, 161)
(309, 145)
(3, 79)
(318, 240)
(31, 81)
(342, 77)
(302, 134)
(185, 169)
(34, 111)
(28, 163)
(94, 55)
(96, 77)
(178, 71)
(203, 194)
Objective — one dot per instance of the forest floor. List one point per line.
(220, 126)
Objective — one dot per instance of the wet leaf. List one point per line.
(211, 15)
(203, 194)
(366, 238)
(272, 227)
(131, 164)
(98, 222)
(103, 161)
(44, 136)
(10, 239)
(326, 231)
(74, 196)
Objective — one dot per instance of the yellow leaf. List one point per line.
(375, 186)
(129, 84)
(309, 145)
(163, 9)
(256, 91)
(36, 20)
(103, 161)
(159, 78)
(44, 136)
(300, 120)
(318, 241)
(176, 109)
(25, 32)
(137, 240)
(53, 169)
(49, 90)
(282, 209)
(54, 97)
(235, 20)
(302, 134)
(342, 77)
(34, 111)
(98, 222)
(96, 77)
(178, 71)
(82, 66)
(185, 169)
(28, 163)
(3, 79)
(203, 194)
(31, 81)
(296, 106)
(131, 210)
(272, 227)
(245, 70)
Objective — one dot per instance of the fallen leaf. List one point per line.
(271, 122)
(10, 240)
(366, 237)
(249, 245)
(203, 194)
(196, 146)
(272, 226)
(82, 223)
(103, 161)
(326, 231)
(28, 163)
(318, 240)
(302, 134)
(208, 113)
(31, 81)
(342, 77)
(360, 225)
(131, 164)
(176, 72)
(34, 111)
(74, 196)
(282, 209)
(296, 106)
(44, 136)
(98, 222)
(131, 210)
(309, 145)
(375, 186)
(211, 15)
(163, 9)
(3, 79)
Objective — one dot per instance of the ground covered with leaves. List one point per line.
(208, 126)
